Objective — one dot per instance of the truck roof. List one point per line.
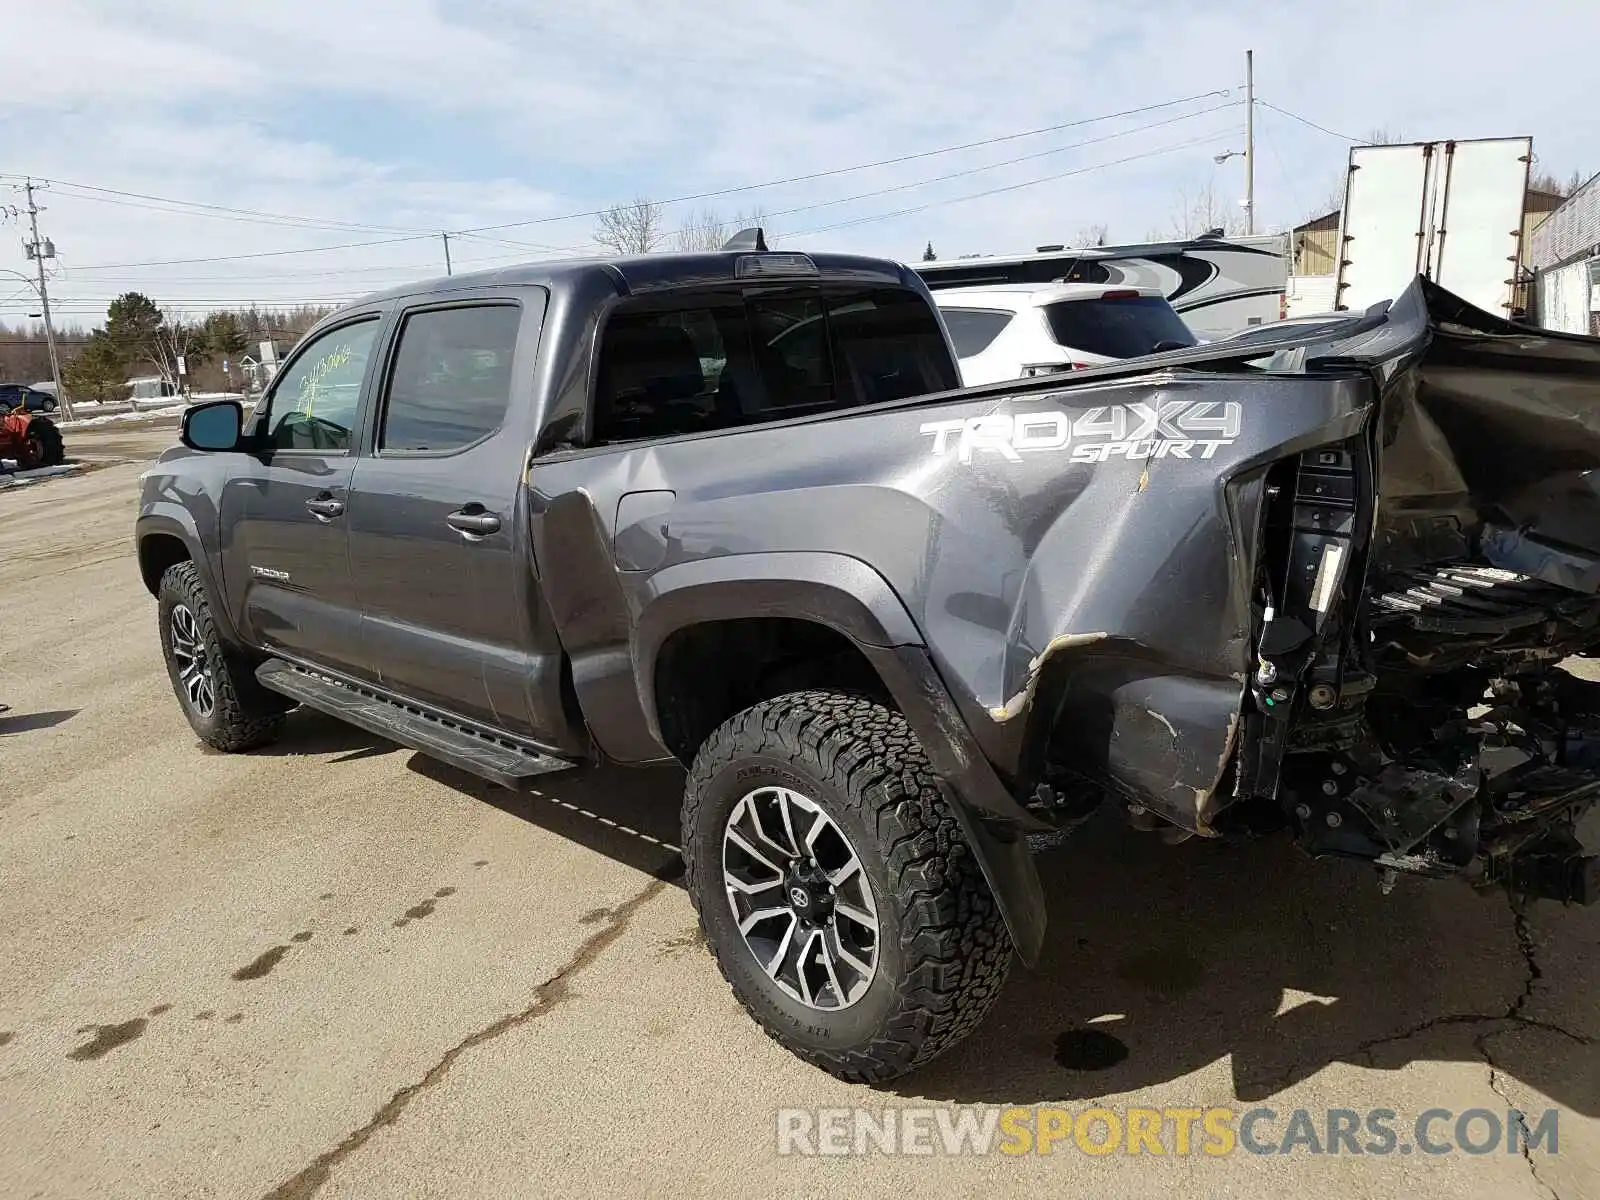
(638, 273)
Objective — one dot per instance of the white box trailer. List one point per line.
(1449, 210)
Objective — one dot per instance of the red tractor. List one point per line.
(31, 439)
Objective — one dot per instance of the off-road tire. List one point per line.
(943, 947)
(245, 714)
(52, 451)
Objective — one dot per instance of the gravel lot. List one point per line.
(333, 968)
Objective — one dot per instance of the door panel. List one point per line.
(284, 520)
(289, 567)
(438, 535)
(436, 602)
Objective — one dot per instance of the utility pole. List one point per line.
(1249, 141)
(446, 238)
(39, 250)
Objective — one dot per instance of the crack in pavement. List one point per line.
(1525, 943)
(546, 997)
(1511, 1018)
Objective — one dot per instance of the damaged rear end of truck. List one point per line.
(1328, 589)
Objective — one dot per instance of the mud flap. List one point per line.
(1008, 868)
(979, 800)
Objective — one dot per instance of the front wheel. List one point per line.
(216, 688)
(835, 889)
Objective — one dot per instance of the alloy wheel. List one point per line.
(800, 898)
(193, 663)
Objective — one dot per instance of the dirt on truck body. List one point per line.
(726, 509)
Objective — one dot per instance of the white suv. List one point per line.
(1012, 330)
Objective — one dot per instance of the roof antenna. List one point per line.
(747, 239)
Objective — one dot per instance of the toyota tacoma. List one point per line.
(733, 509)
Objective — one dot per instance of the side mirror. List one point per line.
(214, 425)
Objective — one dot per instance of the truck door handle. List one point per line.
(325, 508)
(473, 521)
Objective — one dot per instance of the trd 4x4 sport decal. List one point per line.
(1167, 429)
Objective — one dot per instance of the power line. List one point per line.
(507, 241)
(1306, 121)
(110, 280)
(1283, 174)
(480, 230)
(882, 162)
(1012, 187)
(901, 187)
(185, 208)
(478, 234)
(330, 223)
(179, 262)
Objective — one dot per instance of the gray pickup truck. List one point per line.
(731, 509)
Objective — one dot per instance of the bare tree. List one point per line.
(1548, 181)
(1203, 212)
(1093, 235)
(707, 230)
(1331, 202)
(702, 229)
(1382, 135)
(177, 338)
(636, 228)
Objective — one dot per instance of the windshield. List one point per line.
(1122, 327)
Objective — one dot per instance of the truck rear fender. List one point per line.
(847, 596)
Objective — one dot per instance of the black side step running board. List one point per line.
(498, 760)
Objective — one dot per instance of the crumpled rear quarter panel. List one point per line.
(1123, 584)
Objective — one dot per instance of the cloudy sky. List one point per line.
(381, 122)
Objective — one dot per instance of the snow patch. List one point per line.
(154, 411)
(22, 478)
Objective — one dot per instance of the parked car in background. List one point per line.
(29, 399)
(1218, 285)
(1016, 330)
(150, 387)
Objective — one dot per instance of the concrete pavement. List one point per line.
(333, 968)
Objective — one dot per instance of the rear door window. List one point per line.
(714, 360)
(451, 383)
(1119, 327)
(973, 330)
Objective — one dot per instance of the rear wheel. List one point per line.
(834, 886)
(215, 686)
